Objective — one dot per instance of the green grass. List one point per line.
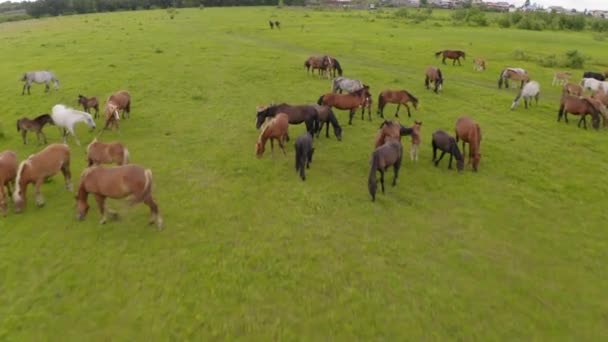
(513, 252)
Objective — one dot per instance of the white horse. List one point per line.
(39, 77)
(529, 91)
(65, 118)
(594, 85)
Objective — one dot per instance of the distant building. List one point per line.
(599, 14)
(556, 9)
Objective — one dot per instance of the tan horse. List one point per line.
(116, 182)
(275, 128)
(323, 64)
(37, 167)
(469, 132)
(516, 74)
(415, 140)
(8, 172)
(433, 75)
(107, 153)
(479, 64)
(561, 78)
(572, 89)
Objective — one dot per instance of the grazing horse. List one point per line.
(572, 89)
(594, 85)
(327, 117)
(469, 131)
(119, 101)
(603, 99)
(529, 91)
(275, 128)
(390, 130)
(561, 78)
(595, 75)
(389, 154)
(116, 182)
(446, 144)
(335, 66)
(8, 172)
(433, 75)
(350, 101)
(401, 97)
(479, 64)
(107, 153)
(88, 103)
(341, 84)
(415, 140)
(451, 54)
(65, 118)
(45, 77)
(297, 114)
(580, 106)
(516, 74)
(35, 125)
(322, 63)
(36, 168)
(304, 152)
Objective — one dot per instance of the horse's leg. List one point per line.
(397, 112)
(327, 129)
(396, 167)
(443, 60)
(282, 145)
(101, 205)
(381, 178)
(450, 163)
(566, 116)
(24, 136)
(272, 147)
(409, 113)
(426, 82)
(434, 151)
(154, 214)
(71, 129)
(350, 116)
(46, 87)
(440, 157)
(39, 197)
(67, 175)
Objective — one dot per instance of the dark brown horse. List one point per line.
(451, 54)
(8, 172)
(323, 64)
(469, 131)
(297, 114)
(433, 75)
(401, 97)
(24, 125)
(580, 106)
(327, 117)
(88, 103)
(350, 101)
(446, 144)
(389, 154)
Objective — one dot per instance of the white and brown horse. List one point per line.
(8, 172)
(516, 74)
(107, 153)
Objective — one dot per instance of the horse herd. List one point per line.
(124, 180)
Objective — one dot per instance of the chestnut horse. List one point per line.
(580, 106)
(469, 132)
(433, 75)
(389, 154)
(107, 153)
(572, 89)
(401, 97)
(479, 64)
(35, 125)
(451, 54)
(275, 128)
(88, 103)
(516, 74)
(119, 101)
(117, 182)
(8, 172)
(37, 167)
(322, 63)
(350, 101)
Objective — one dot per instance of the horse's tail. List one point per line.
(372, 186)
(147, 188)
(320, 101)
(438, 53)
(500, 78)
(440, 75)
(125, 156)
(16, 194)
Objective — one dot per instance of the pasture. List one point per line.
(515, 251)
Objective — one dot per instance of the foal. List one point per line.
(304, 152)
(415, 140)
(8, 172)
(469, 132)
(433, 75)
(107, 153)
(446, 144)
(275, 128)
(479, 64)
(117, 182)
(88, 103)
(35, 125)
(37, 167)
(383, 157)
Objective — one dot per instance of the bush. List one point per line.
(504, 22)
(574, 60)
(402, 13)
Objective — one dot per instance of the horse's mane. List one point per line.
(16, 196)
(414, 98)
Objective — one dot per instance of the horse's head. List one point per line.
(261, 114)
(88, 119)
(259, 149)
(82, 207)
(337, 132)
(23, 78)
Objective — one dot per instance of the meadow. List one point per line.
(515, 251)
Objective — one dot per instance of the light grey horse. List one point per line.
(45, 77)
(345, 84)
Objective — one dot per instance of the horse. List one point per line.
(335, 66)
(304, 152)
(112, 117)
(297, 114)
(580, 106)
(36, 168)
(594, 85)
(401, 97)
(469, 131)
(517, 74)
(446, 144)
(8, 172)
(340, 84)
(415, 140)
(327, 117)
(389, 154)
(451, 54)
(572, 89)
(271, 24)
(595, 75)
(322, 63)
(561, 78)
(24, 125)
(106, 153)
(603, 99)
(88, 103)
(120, 100)
(350, 101)
(117, 182)
(433, 75)
(479, 64)
(390, 130)
(529, 91)
(44, 76)
(277, 24)
(275, 128)
(65, 118)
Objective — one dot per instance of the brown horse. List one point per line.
(516, 74)
(107, 153)
(415, 140)
(388, 130)
(350, 101)
(323, 64)
(401, 97)
(119, 101)
(297, 114)
(389, 154)
(445, 143)
(35, 125)
(8, 172)
(37, 167)
(327, 117)
(433, 75)
(275, 128)
(572, 89)
(451, 54)
(88, 103)
(469, 132)
(479, 64)
(602, 98)
(117, 182)
(580, 106)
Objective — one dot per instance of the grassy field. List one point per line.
(513, 252)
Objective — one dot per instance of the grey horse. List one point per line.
(45, 77)
(346, 84)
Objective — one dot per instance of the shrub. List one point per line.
(504, 22)
(401, 13)
(574, 59)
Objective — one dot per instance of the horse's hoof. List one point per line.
(102, 221)
(40, 204)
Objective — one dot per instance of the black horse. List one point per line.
(304, 152)
(598, 76)
(297, 114)
(327, 117)
(446, 144)
(383, 157)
